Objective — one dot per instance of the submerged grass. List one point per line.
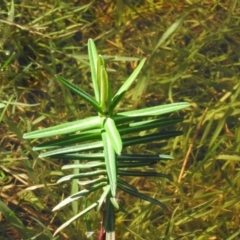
(198, 62)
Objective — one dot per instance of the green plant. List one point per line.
(108, 133)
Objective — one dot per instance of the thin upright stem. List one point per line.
(109, 219)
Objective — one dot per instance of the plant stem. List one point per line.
(109, 219)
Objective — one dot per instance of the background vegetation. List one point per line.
(198, 63)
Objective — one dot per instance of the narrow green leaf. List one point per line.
(73, 149)
(113, 135)
(227, 157)
(69, 140)
(103, 85)
(93, 57)
(88, 98)
(75, 217)
(93, 181)
(12, 219)
(233, 236)
(130, 160)
(126, 184)
(47, 232)
(65, 128)
(160, 122)
(149, 138)
(143, 174)
(90, 189)
(219, 126)
(82, 175)
(116, 99)
(143, 157)
(75, 188)
(19, 104)
(78, 195)
(135, 164)
(151, 111)
(146, 125)
(84, 165)
(106, 190)
(2, 115)
(114, 202)
(169, 32)
(110, 160)
(141, 196)
(8, 61)
(83, 156)
(104, 91)
(100, 65)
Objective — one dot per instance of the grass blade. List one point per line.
(14, 220)
(169, 32)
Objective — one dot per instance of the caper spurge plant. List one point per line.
(97, 142)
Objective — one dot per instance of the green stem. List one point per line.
(109, 219)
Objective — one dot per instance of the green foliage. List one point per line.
(14, 220)
(193, 59)
(110, 126)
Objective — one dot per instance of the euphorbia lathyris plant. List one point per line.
(104, 136)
